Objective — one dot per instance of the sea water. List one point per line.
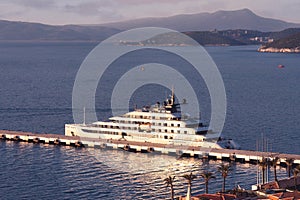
(36, 83)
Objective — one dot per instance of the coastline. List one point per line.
(279, 50)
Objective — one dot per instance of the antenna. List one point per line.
(172, 90)
(84, 115)
(257, 172)
(172, 94)
(267, 150)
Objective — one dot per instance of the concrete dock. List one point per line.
(196, 152)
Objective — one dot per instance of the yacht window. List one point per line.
(166, 130)
(171, 138)
(165, 124)
(178, 125)
(159, 130)
(166, 137)
(172, 131)
(172, 124)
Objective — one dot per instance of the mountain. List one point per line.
(232, 28)
(220, 20)
(35, 31)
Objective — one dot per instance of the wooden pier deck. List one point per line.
(197, 152)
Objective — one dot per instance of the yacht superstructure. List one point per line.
(162, 123)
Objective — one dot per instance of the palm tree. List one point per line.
(169, 181)
(207, 176)
(289, 164)
(296, 171)
(189, 177)
(224, 170)
(274, 164)
(263, 164)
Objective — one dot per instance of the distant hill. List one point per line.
(220, 20)
(35, 31)
(285, 33)
(216, 38)
(213, 38)
(204, 38)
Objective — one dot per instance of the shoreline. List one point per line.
(278, 50)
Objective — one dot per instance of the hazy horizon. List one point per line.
(57, 12)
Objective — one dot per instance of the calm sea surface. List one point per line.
(36, 82)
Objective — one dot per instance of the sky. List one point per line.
(59, 12)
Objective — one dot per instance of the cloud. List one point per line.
(104, 10)
(44, 4)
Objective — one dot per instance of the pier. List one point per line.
(233, 155)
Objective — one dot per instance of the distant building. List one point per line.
(262, 39)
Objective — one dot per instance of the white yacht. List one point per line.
(162, 123)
